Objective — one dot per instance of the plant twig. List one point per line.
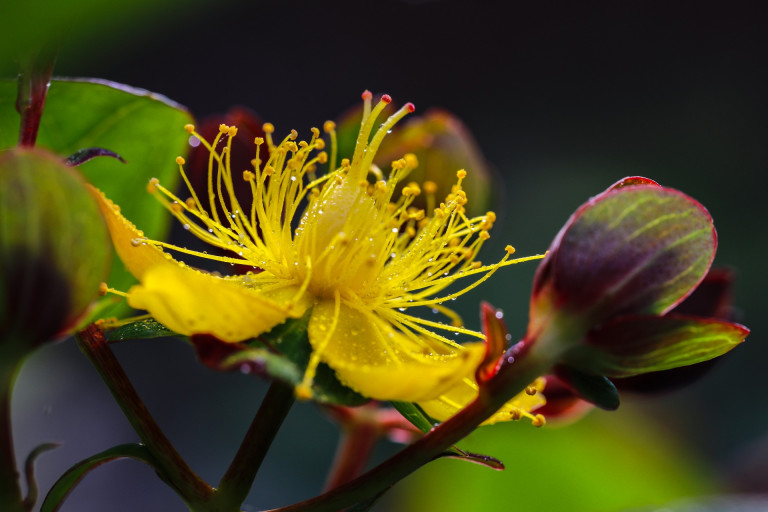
(237, 481)
(170, 466)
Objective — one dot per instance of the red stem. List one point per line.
(355, 447)
(172, 468)
(34, 79)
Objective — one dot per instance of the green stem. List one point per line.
(169, 464)
(10, 492)
(509, 381)
(34, 79)
(238, 480)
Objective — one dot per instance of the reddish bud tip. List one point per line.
(386, 98)
(411, 107)
(367, 94)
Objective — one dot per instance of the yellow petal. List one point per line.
(377, 361)
(137, 256)
(191, 302)
(465, 391)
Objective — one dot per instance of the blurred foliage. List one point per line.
(605, 462)
(26, 24)
(146, 129)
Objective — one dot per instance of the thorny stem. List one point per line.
(510, 380)
(170, 466)
(34, 79)
(238, 480)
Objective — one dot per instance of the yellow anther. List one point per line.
(189, 128)
(417, 215)
(484, 235)
(293, 135)
(329, 126)
(322, 157)
(103, 288)
(303, 144)
(338, 179)
(453, 242)
(345, 162)
(190, 202)
(176, 207)
(258, 141)
(232, 131)
(223, 128)
(454, 259)
(363, 183)
(530, 390)
(255, 162)
(490, 216)
(411, 160)
(408, 192)
(292, 146)
(268, 128)
(461, 174)
(399, 164)
(515, 414)
(269, 170)
(381, 186)
(152, 185)
(430, 187)
(319, 144)
(510, 250)
(415, 187)
(539, 420)
(410, 231)
(303, 392)
(248, 176)
(475, 264)
(180, 160)
(315, 132)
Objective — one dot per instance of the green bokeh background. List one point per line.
(563, 101)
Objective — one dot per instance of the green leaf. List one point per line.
(595, 389)
(641, 344)
(139, 330)
(415, 415)
(603, 463)
(145, 128)
(420, 420)
(67, 482)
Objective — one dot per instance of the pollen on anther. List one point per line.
(322, 157)
(411, 160)
(232, 131)
(293, 135)
(510, 250)
(461, 174)
(319, 144)
(103, 288)
(329, 126)
(152, 185)
(180, 160)
(268, 128)
(530, 390)
(430, 187)
(539, 420)
(223, 128)
(484, 235)
(248, 176)
(258, 141)
(189, 128)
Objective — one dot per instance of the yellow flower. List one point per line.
(341, 245)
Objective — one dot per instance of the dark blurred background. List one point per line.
(563, 99)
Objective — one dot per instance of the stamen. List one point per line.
(304, 389)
